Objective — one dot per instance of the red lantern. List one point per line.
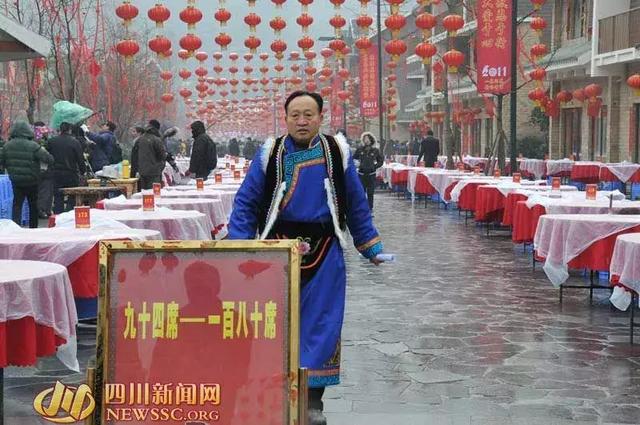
(537, 4)
(184, 74)
(593, 90)
(395, 48)
(278, 67)
(395, 24)
(191, 15)
(426, 22)
(39, 63)
(252, 43)
(306, 43)
(426, 51)
(159, 44)
(364, 22)
(201, 56)
(166, 75)
(248, 56)
(538, 51)
(277, 24)
(167, 98)
(183, 54)
(278, 3)
(538, 24)
(223, 40)
(310, 71)
(217, 56)
(363, 43)
(337, 45)
(253, 20)
(326, 91)
(326, 72)
(593, 107)
(579, 95)
(185, 92)
(311, 86)
(337, 22)
(222, 15)
(337, 3)
(218, 69)
(127, 48)
(634, 83)
(343, 95)
(453, 24)
(278, 47)
(233, 56)
(310, 55)
(326, 53)
(453, 59)
(190, 43)
(127, 12)
(201, 71)
(159, 14)
(538, 74)
(537, 96)
(343, 73)
(564, 96)
(552, 108)
(248, 69)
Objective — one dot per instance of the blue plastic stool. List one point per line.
(635, 191)
(6, 197)
(25, 213)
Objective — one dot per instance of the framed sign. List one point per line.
(517, 177)
(157, 189)
(555, 183)
(199, 332)
(591, 191)
(148, 202)
(82, 217)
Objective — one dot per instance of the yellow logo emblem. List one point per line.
(67, 405)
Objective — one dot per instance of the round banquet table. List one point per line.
(37, 313)
(211, 208)
(226, 196)
(586, 172)
(399, 177)
(536, 168)
(76, 249)
(423, 186)
(559, 167)
(624, 172)
(172, 224)
(579, 241)
(625, 262)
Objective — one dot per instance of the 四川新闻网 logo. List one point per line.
(63, 404)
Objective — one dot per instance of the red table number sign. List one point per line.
(148, 202)
(592, 190)
(83, 217)
(200, 184)
(476, 170)
(516, 177)
(496, 174)
(233, 167)
(555, 183)
(218, 178)
(236, 160)
(156, 189)
(460, 166)
(421, 164)
(236, 175)
(436, 164)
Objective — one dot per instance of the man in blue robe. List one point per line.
(305, 186)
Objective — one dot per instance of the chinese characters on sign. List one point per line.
(337, 111)
(493, 46)
(369, 82)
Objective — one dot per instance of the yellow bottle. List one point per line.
(126, 169)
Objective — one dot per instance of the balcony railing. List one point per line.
(619, 32)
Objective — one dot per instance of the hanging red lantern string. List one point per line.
(127, 12)
(222, 15)
(191, 15)
(634, 83)
(453, 23)
(277, 24)
(159, 14)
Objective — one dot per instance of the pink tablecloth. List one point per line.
(41, 291)
(625, 262)
(560, 238)
(536, 168)
(625, 172)
(226, 196)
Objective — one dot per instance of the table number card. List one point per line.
(555, 183)
(200, 184)
(496, 174)
(517, 177)
(83, 217)
(592, 191)
(156, 189)
(476, 170)
(236, 175)
(148, 202)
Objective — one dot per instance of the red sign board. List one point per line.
(369, 82)
(199, 184)
(517, 177)
(83, 217)
(156, 189)
(496, 174)
(493, 46)
(196, 334)
(236, 175)
(592, 191)
(555, 183)
(476, 170)
(148, 202)
(337, 110)
(218, 178)
(233, 167)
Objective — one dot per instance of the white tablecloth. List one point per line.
(560, 238)
(41, 290)
(62, 245)
(557, 166)
(226, 196)
(472, 161)
(536, 167)
(622, 170)
(462, 183)
(625, 262)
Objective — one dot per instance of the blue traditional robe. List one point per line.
(305, 199)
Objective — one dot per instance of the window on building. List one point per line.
(576, 22)
(572, 132)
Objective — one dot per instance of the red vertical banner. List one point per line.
(369, 82)
(493, 46)
(337, 110)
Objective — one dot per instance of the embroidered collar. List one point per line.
(289, 142)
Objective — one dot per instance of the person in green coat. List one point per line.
(21, 157)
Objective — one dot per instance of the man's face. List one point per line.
(104, 127)
(303, 119)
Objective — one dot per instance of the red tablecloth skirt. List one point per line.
(423, 186)
(510, 207)
(489, 204)
(588, 174)
(525, 222)
(607, 176)
(83, 274)
(447, 191)
(399, 178)
(598, 255)
(22, 341)
(467, 198)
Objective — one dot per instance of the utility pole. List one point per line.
(514, 87)
(379, 41)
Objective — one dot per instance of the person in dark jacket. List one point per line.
(150, 156)
(21, 157)
(136, 133)
(105, 142)
(234, 148)
(45, 188)
(370, 160)
(67, 167)
(204, 157)
(429, 149)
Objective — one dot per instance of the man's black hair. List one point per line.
(139, 129)
(65, 127)
(300, 93)
(429, 132)
(39, 124)
(111, 125)
(155, 124)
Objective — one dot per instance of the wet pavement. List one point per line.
(459, 330)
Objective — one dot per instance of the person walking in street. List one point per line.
(45, 188)
(68, 166)
(429, 149)
(104, 145)
(304, 185)
(204, 158)
(370, 159)
(21, 156)
(150, 156)
(234, 147)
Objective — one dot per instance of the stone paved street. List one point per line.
(458, 330)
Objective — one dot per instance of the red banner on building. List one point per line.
(337, 110)
(369, 82)
(493, 46)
